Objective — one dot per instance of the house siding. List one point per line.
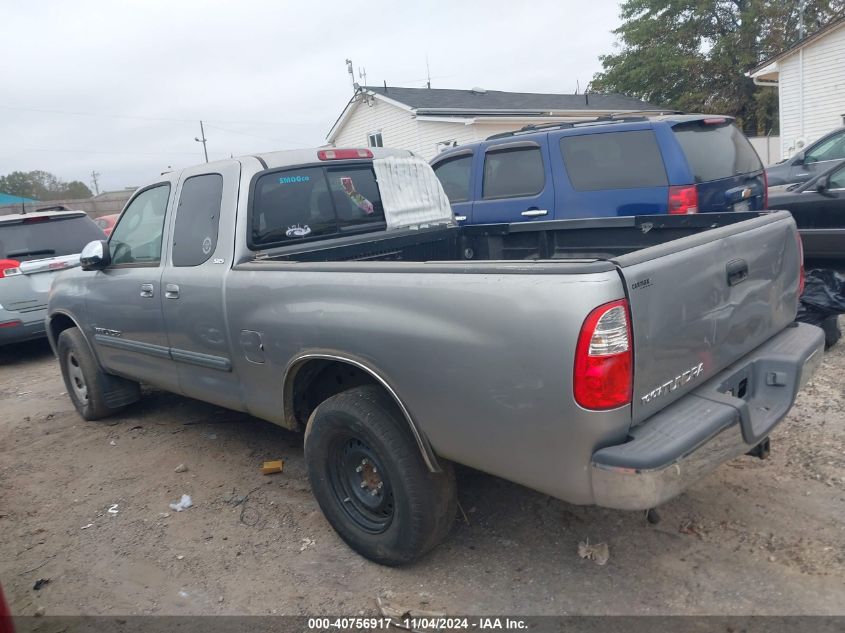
(823, 94)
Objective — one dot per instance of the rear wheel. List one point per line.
(87, 385)
(370, 480)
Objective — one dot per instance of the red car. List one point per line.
(107, 222)
(5, 616)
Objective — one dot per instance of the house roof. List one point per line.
(494, 101)
(442, 102)
(809, 39)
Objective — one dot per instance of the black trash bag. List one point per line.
(822, 302)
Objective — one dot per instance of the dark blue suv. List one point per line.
(630, 165)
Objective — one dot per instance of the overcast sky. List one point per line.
(119, 87)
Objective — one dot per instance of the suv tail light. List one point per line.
(343, 154)
(683, 199)
(603, 377)
(9, 268)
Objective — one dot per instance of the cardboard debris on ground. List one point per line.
(273, 467)
(599, 553)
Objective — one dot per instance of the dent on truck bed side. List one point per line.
(481, 362)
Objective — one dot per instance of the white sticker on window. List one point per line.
(206, 246)
(298, 231)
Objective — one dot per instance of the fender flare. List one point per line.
(426, 450)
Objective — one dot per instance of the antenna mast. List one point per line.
(427, 73)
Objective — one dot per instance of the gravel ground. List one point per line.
(755, 537)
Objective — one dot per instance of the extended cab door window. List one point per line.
(197, 220)
(515, 184)
(136, 240)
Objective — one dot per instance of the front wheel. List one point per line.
(94, 393)
(370, 480)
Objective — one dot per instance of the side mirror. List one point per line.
(95, 256)
(799, 159)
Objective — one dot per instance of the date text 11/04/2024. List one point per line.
(423, 623)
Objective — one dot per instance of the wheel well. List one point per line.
(58, 324)
(313, 381)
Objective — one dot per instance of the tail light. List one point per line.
(801, 279)
(14, 323)
(9, 268)
(603, 377)
(683, 199)
(343, 154)
(765, 190)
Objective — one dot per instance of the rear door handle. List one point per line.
(147, 290)
(737, 271)
(171, 291)
(534, 213)
(460, 218)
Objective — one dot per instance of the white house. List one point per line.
(428, 120)
(810, 78)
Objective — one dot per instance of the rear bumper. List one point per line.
(23, 326)
(709, 426)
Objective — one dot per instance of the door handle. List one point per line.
(171, 291)
(460, 218)
(737, 271)
(533, 213)
(147, 290)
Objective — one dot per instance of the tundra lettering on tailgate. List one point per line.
(671, 385)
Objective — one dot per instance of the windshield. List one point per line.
(41, 237)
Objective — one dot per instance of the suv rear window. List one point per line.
(297, 204)
(39, 237)
(613, 160)
(716, 151)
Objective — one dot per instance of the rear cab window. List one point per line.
(716, 150)
(40, 237)
(301, 204)
(513, 173)
(613, 160)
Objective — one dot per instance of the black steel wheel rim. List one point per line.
(360, 484)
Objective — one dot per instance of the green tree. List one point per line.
(42, 185)
(692, 55)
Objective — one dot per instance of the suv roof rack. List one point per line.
(618, 117)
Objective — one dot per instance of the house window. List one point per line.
(374, 140)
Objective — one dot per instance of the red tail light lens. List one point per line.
(343, 154)
(683, 199)
(603, 377)
(9, 268)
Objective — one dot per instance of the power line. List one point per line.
(146, 118)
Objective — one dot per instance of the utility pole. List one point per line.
(202, 140)
(94, 175)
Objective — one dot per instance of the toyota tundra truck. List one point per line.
(609, 361)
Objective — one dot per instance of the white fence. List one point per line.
(768, 147)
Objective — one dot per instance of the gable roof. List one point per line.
(480, 102)
(489, 103)
(809, 39)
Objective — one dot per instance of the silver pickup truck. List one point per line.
(610, 362)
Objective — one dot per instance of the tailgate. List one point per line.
(28, 290)
(702, 302)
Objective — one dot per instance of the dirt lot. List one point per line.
(754, 537)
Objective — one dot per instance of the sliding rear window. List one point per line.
(295, 205)
(716, 150)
